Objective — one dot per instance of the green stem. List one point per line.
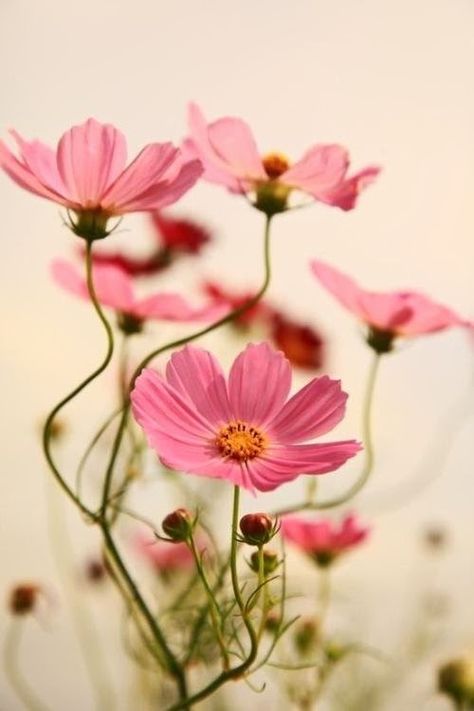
(173, 665)
(240, 670)
(368, 450)
(105, 362)
(175, 344)
(12, 669)
(213, 607)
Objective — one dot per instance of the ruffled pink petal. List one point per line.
(342, 287)
(311, 458)
(41, 160)
(112, 285)
(90, 157)
(21, 174)
(172, 307)
(199, 146)
(234, 145)
(161, 410)
(196, 374)
(427, 316)
(259, 383)
(148, 168)
(312, 412)
(321, 168)
(167, 191)
(345, 194)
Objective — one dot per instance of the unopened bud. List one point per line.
(178, 525)
(257, 529)
(306, 634)
(270, 562)
(23, 598)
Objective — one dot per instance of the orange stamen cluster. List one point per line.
(275, 164)
(239, 440)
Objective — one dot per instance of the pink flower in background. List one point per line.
(302, 345)
(244, 430)
(221, 295)
(174, 237)
(231, 158)
(115, 288)
(397, 313)
(323, 539)
(164, 557)
(88, 171)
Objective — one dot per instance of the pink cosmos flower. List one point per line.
(164, 557)
(323, 539)
(223, 296)
(230, 157)
(115, 288)
(88, 172)
(388, 314)
(243, 430)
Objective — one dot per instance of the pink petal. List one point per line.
(312, 412)
(346, 193)
(427, 316)
(320, 169)
(41, 160)
(345, 289)
(172, 307)
(90, 157)
(259, 383)
(167, 191)
(112, 285)
(234, 145)
(162, 410)
(197, 375)
(311, 458)
(21, 174)
(148, 168)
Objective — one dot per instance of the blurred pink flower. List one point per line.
(88, 173)
(174, 237)
(397, 313)
(323, 539)
(115, 288)
(245, 430)
(163, 556)
(222, 295)
(230, 157)
(302, 345)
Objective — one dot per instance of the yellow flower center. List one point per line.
(275, 164)
(239, 440)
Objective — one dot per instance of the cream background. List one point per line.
(392, 81)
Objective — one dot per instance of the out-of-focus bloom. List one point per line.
(270, 562)
(456, 680)
(163, 556)
(306, 634)
(221, 296)
(174, 237)
(322, 539)
(23, 598)
(95, 570)
(245, 430)
(435, 537)
(88, 174)
(302, 345)
(388, 314)
(230, 157)
(114, 288)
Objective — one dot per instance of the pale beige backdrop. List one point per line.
(391, 80)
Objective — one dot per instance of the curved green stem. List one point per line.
(368, 450)
(213, 607)
(83, 460)
(239, 670)
(100, 369)
(173, 665)
(12, 669)
(175, 344)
